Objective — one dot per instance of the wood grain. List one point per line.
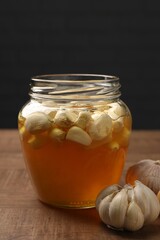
(23, 217)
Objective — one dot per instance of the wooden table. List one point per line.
(23, 217)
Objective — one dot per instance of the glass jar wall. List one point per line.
(74, 133)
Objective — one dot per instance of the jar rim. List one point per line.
(67, 87)
(75, 76)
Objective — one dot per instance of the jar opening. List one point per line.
(75, 77)
(69, 87)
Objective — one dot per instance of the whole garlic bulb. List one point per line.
(129, 207)
(147, 171)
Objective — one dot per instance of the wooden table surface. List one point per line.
(23, 217)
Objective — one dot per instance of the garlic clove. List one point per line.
(153, 203)
(37, 122)
(130, 193)
(52, 114)
(78, 135)
(118, 125)
(118, 208)
(105, 192)
(83, 119)
(124, 137)
(112, 114)
(116, 111)
(65, 118)
(134, 218)
(141, 200)
(104, 208)
(22, 132)
(100, 126)
(57, 134)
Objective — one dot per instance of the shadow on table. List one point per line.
(90, 218)
(151, 232)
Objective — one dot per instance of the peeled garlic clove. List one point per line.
(37, 122)
(124, 137)
(118, 122)
(100, 127)
(57, 134)
(52, 114)
(116, 110)
(147, 171)
(65, 118)
(22, 132)
(118, 208)
(78, 135)
(134, 218)
(118, 125)
(112, 114)
(83, 119)
(105, 192)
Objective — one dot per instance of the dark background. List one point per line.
(107, 37)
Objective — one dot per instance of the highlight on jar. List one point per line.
(72, 153)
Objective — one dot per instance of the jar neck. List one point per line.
(75, 87)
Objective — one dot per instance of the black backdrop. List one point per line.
(108, 37)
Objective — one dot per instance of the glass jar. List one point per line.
(74, 133)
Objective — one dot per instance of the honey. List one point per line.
(72, 151)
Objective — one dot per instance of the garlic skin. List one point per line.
(147, 171)
(105, 192)
(158, 196)
(134, 219)
(129, 207)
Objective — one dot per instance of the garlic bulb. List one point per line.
(147, 171)
(129, 207)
